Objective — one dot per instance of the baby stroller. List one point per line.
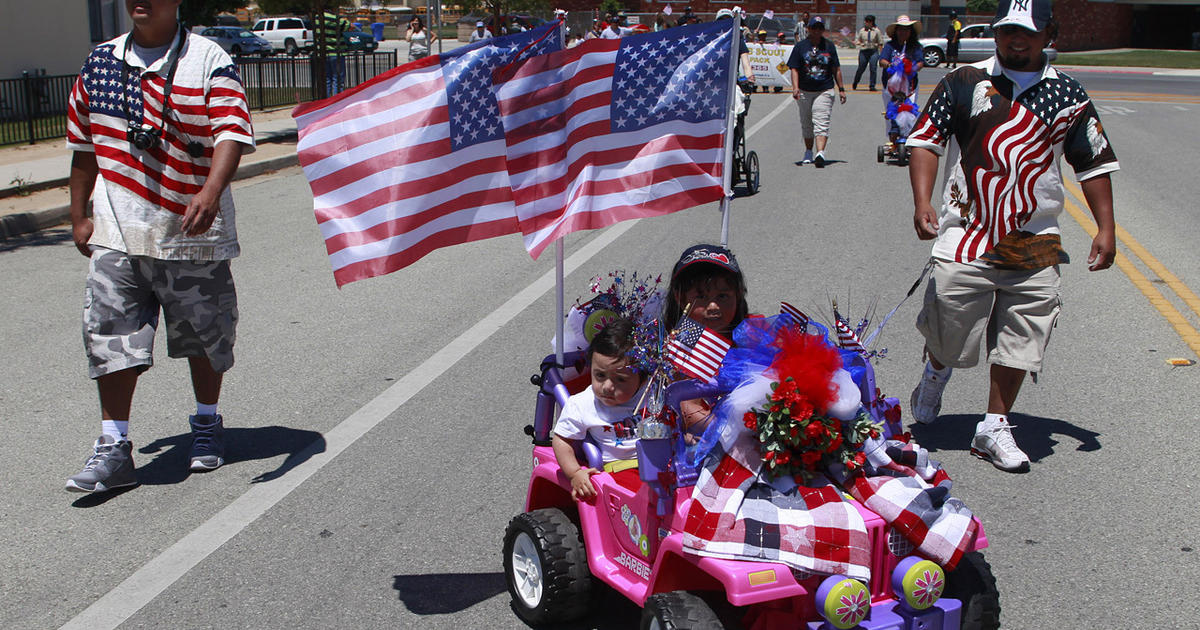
(900, 109)
(745, 164)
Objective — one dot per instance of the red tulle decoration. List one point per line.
(810, 362)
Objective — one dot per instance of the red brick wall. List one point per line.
(1085, 25)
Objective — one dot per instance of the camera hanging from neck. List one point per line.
(141, 134)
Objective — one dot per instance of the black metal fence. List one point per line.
(34, 107)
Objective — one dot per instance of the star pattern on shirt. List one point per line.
(112, 88)
(670, 76)
(473, 111)
(1050, 96)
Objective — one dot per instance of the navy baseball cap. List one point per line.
(1032, 15)
(706, 254)
(816, 22)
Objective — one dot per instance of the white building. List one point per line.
(55, 36)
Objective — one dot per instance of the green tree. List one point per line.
(610, 6)
(197, 12)
(299, 7)
(982, 6)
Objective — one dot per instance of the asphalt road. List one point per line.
(376, 451)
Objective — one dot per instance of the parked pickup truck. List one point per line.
(289, 34)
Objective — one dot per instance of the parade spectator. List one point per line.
(815, 70)
(953, 35)
(995, 275)
(480, 33)
(594, 32)
(162, 227)
(419, 39)
(560, 14)
(802, 27)
(616, 29)
(868, 41)
(329, 33)
(687, 18)
(660, 22)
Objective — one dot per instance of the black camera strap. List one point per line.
(194, 148)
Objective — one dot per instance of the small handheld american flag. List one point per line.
(696, 350)
(797, 315)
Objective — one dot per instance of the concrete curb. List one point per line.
(25, 223)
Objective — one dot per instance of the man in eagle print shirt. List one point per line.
(1002, 124)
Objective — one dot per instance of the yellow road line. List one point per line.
(1153, 294)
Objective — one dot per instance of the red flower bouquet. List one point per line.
(796, 437)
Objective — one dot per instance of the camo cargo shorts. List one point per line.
(121, 306)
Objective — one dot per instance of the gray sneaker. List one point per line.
(926, 401)
(109, 467)
(208, 442)
(996, 444)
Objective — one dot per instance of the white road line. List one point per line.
(154, 577)
(769, 117)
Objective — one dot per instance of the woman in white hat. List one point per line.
(901, 59)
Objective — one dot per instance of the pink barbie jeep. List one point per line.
(558, 549)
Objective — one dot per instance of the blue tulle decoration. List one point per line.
(753, 352)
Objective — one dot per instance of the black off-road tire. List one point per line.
(566, 583)
(678, 610)
(972, 583)
(881, 153)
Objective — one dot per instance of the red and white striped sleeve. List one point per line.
(79, 125)
(228, 109)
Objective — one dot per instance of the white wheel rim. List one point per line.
(527, 571)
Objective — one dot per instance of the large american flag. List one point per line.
(696, 350)
(107, 96)
(616, 129)
(414, 159)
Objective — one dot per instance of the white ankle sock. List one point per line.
(117, 429)
(942, 373)
(990, 420)
(205, 410)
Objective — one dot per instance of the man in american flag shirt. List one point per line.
(1004, 124)
(157, 121)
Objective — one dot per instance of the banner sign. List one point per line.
(769, 64)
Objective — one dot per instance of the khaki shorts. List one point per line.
(816, 108)
(122, 301)
(1013, 311)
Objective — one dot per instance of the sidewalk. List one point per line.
(33, 178)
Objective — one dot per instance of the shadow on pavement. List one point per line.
(241, 445)
(1034, 434)
(448, 593)
(10, 241)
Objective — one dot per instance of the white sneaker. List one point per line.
(926, 401)
(807, 158)
(995, 443)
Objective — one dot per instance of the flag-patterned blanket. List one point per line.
(913, 496)
(738, 514)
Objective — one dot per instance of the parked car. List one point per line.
(237, 41)
(289, 34)
(975, 44)
(358, 40)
